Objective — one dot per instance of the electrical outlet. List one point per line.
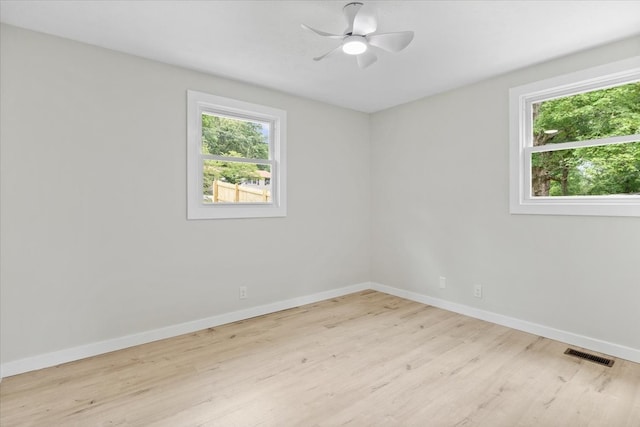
(243, 292)
(443, 282)
(477, 291)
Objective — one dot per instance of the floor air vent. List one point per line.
(590, 357)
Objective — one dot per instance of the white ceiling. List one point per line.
(261, 42)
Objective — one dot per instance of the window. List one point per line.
(235, 158)
(575, 143)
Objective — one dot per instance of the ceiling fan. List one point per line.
(361, 35)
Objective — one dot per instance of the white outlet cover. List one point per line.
(443, 282)
(477, 291)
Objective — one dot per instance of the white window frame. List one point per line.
(199, 103)
(521, 99)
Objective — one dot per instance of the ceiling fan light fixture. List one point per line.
(354, 45)
(361, 38)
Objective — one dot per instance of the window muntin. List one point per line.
(236, 158)
(574, 143)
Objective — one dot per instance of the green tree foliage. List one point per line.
(613, 169)
(221, 136)
(231, 138)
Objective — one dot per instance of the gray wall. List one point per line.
(440, 207)
(95, 241)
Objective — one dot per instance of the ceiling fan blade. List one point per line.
(391, 42)
(365, 21)
(367, 58)
(350, 11)
(321, 33)
(331, 52)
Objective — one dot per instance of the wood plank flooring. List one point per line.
(366, 359)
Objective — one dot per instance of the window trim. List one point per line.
(199, 103)
(520, 137)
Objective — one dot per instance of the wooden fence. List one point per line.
(225, 192)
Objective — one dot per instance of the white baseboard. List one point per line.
(571, 338)
(69, 355)
(94, 349)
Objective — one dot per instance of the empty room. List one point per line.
(320, 213)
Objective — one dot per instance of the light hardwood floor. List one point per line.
(366, 359)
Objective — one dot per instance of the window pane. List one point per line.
(224, 136)
(587, 171)
(591, 115)
(236, 182)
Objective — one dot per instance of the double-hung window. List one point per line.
(236, 162)
(575, 143)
